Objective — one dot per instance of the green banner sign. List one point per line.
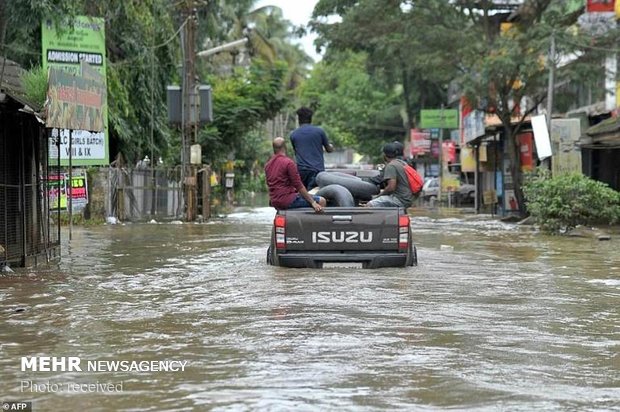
(65, 45)
(441, 119)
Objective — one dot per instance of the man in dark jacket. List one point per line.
(308, 142)
(286, 191)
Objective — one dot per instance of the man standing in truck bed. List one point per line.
(308, 142)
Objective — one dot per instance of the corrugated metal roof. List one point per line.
(11, 84)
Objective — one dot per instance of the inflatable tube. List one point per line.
(337, 195)
(360, 189)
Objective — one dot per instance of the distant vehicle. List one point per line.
(465, 194)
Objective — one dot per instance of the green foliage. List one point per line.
(356, 109)
(35, 85)
(411, 48)
(241, 103)
(563, 202)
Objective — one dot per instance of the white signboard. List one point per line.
(84, 145)
(473, 125)
(541, 136)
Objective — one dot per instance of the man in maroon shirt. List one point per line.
(285, 188)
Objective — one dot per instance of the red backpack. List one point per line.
(415, 180)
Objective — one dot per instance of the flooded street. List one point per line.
(495, 317)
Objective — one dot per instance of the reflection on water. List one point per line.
(504, 319)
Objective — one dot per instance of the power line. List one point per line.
(173, 36)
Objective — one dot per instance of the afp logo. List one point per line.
(341, 237)
(17, 406)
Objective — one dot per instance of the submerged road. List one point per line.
(495, 317)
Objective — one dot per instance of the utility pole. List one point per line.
(189, 109)
(443, 121)
(550, 88)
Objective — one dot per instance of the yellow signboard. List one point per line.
(489, 197)
(468, 161)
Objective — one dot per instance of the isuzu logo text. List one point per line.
(341, 237)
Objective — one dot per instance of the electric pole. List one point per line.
(189, 109)
(550, 88)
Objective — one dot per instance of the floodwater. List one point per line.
(495, 317)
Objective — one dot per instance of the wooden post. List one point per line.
(206, 192)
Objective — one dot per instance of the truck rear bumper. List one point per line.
(368, 260)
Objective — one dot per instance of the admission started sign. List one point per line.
(77, 104)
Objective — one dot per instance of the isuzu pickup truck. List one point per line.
(369, 237)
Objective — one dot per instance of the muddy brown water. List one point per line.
(495, 317)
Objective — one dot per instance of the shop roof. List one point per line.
(607, 126)
(11, 84)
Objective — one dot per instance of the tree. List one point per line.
(505, 71)
(422, 46)
(401, 44)
(241, 103)
(141, 61)
(356, 109)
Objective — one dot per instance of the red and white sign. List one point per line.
(526, 151)
(420, 142)
(598, 6)
(449, 152)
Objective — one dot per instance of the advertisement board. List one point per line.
(65, 45)
(75, 101)
(468, 160)
(526, 151)
(598, 6)
(565, 134)
(420, 142)
(441, 118)
(59, 191)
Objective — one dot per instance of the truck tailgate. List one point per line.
(342, 229)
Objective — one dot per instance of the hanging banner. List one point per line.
(510, 201)
(468, 161)
(598, 6)
(435, 149)
(64, 47)
(420, 142)
(541, 136)
(526, 151)
(449, 152)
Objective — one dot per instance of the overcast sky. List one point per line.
(297, 12)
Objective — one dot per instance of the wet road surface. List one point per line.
(495, 317)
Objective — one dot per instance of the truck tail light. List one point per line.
(280, 225)
(403, 232)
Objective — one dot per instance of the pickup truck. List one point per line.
(370, 237)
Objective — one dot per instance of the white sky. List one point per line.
(297, 12)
